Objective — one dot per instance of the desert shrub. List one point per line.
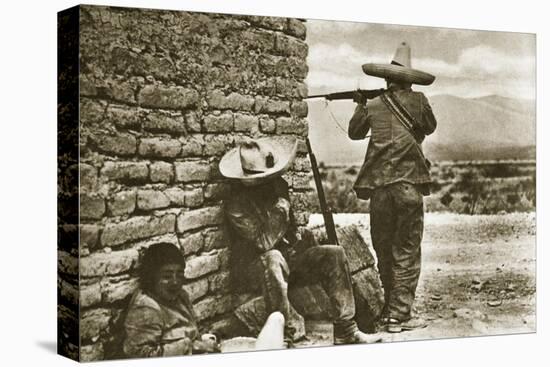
(501, 170)
(470, 192)
(340, 195)
(528, 187)
(446, 199)
(447, 174)
(475, 190)
(512, 199)
(435, 186)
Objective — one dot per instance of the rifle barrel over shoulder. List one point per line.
(368, 93)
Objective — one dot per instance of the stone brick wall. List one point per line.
(163, 94)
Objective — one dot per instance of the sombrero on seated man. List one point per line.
(256, 161)
(400, 69)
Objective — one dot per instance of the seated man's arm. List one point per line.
(243, 224)
(261, 229)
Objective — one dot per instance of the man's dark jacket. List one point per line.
(393, 155)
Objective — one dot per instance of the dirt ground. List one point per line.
(478, 277)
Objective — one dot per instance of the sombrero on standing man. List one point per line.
(256, 161)
(400, 68)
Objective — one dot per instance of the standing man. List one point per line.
(395, 176)
(266, 248)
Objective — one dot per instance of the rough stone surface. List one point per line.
(271, 106)
(92, 352)
(369, 297)
(209, 216)
(123, 117)
(125, 171)
(68, 291)
(91, 207)
(201, 265)
(267, 125)
(122, 144)
(299, 201)
(192, 171)
(246, 123)
(159, 96)
(152, 199)
(217, 145)
(175, 195)
(192, 146)
(171, 123)
(215, 239)
(192, 243)
(90, 295)
(93, 322)
(299, 109)
(194, 198)
(136, 228)
(219, 282)
(66, 263)
(357, 251)
(296, 28)
(193, 122)
(219, 123)
(161, 172)
(113, 291)
(301, 181)
(116, 262)
(159, 147)
(89, 235)
(302, 164)
(196, 289)
(234, 101)
(123, 203)
(286, 125)
(88, 178)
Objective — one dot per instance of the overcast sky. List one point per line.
(466, 63)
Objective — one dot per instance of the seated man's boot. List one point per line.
(381, 325)
(358, 337)
(396, 326)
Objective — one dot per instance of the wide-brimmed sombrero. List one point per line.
(256, 161)
(400, 68)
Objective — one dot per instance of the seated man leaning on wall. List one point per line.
(266, 246)
(160, 320)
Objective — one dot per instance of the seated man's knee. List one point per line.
(335, 251)
(273, 259)
(331, 254)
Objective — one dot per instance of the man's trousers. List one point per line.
(397, 224)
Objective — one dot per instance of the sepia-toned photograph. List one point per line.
(236, 183)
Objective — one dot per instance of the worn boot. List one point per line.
(396, 326)
(358, 337)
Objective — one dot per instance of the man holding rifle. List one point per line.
(395, 176)
(267, 249)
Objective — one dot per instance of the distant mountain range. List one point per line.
(485, 128)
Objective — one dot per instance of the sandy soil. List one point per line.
(478, 277)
